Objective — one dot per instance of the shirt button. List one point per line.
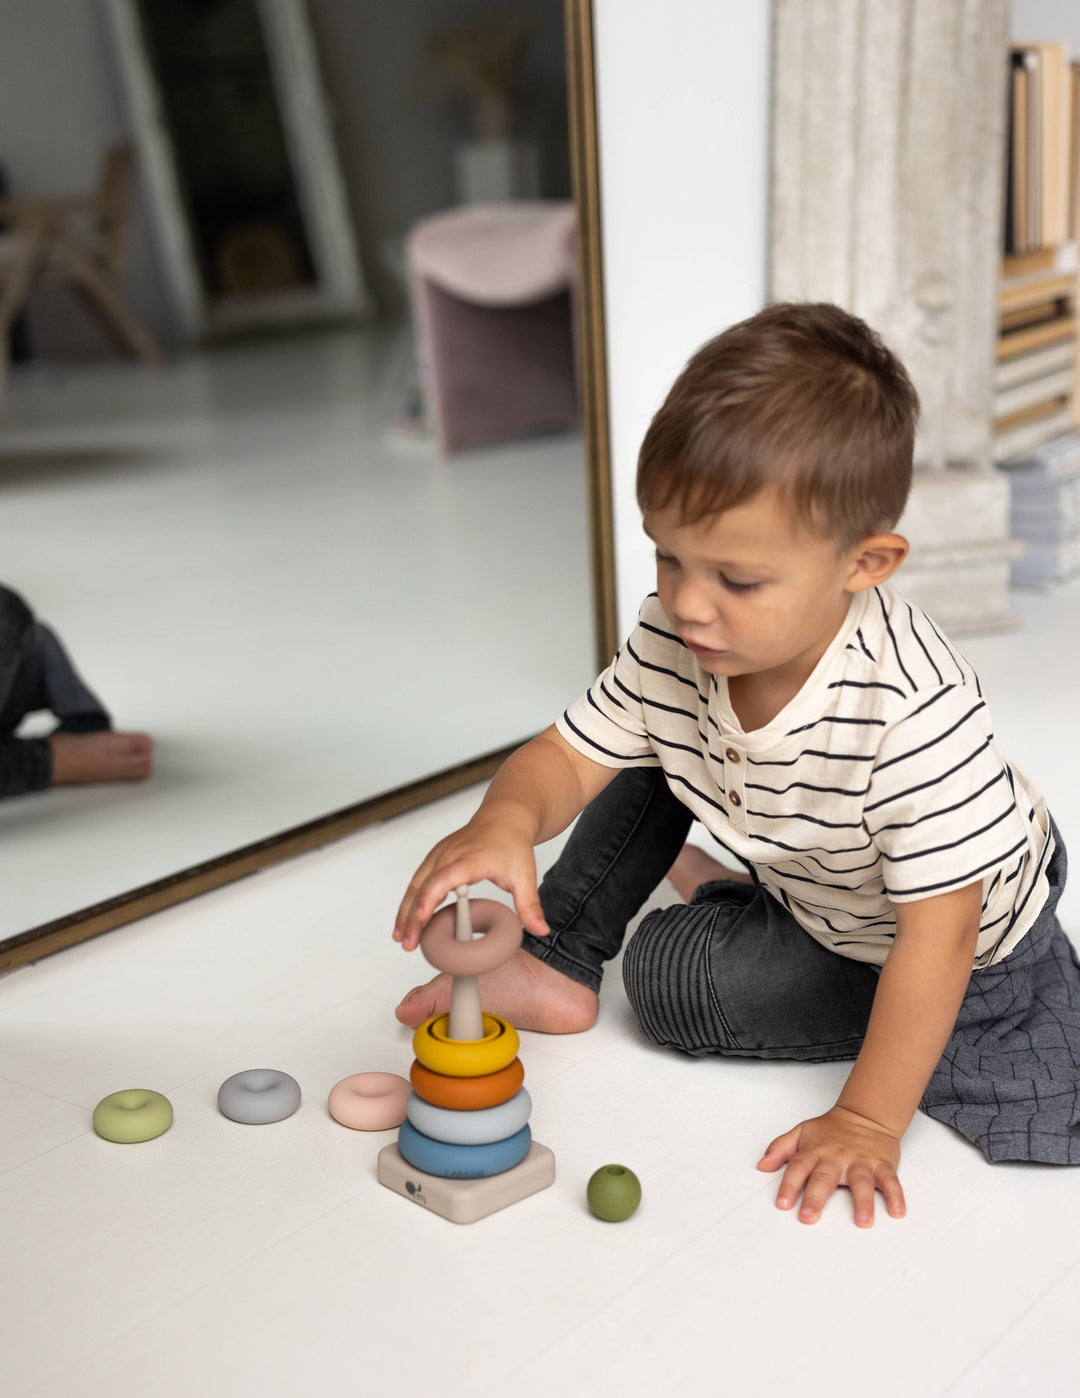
(731, 755)
(733, 797)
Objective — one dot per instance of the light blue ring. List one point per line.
(465, 1128)
(462, 1162)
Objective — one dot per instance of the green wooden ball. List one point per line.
(614, 1193)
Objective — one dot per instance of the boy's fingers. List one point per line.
(795, 1176)
(430, 896)
(890, 1187)
(823, 1180)
(530, 912)
(860, 1181)
(776, 1152)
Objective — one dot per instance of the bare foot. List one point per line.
(530, 994)
(100, 757)
(693, 867)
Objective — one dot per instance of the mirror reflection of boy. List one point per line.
(37, 674)
(903, 875)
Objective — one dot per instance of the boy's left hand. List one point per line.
(840, 1147)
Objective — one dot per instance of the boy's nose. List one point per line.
(692, 605)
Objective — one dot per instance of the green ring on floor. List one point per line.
(133, 1114)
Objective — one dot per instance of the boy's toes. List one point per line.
(421, 1003)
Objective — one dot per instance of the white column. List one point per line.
(888, 161)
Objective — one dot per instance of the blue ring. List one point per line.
(464, 1128)
(462, 1162)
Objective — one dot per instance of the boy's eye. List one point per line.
(664, 557)
(733, 586)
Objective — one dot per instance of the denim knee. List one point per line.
(668, 981)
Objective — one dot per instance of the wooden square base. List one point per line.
(464, 1201)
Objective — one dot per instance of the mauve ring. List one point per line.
(501, 939)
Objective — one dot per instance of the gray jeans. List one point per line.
(734, 973)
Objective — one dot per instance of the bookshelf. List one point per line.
(1037, 355)
(1036, 384)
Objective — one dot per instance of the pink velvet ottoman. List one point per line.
(493, 301)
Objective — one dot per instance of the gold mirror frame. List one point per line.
(90, 922)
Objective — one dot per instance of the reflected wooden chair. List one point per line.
(20, 254)
(80, 242)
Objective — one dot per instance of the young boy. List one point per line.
(900, 905)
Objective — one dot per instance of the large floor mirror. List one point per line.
(305, 552)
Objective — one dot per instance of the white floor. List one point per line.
(266, 1261)
(302, 613)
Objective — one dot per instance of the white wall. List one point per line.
(1047, 21)
(683, 98)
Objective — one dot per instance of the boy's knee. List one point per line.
(668, 981)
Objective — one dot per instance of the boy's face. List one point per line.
(751, 592)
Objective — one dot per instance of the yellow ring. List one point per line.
(465, 1058)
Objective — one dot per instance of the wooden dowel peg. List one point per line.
(466, 1017)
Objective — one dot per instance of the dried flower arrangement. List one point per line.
(482, 62)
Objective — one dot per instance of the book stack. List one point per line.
(1035, 380)
(1041, 184)
(1046, 511)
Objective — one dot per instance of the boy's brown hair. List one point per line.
(802, 396)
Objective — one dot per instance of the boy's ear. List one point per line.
(875, 560)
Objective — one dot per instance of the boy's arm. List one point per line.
(916, 1003)
(533, 796)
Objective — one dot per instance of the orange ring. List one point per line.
(467, 1094)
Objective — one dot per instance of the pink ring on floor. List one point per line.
(501, 938)
(370, 1101)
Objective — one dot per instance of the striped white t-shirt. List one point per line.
(879, 783)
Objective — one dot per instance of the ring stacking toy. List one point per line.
(452, 1162)
(501, 939)
(369, 1101)
(467, 1094)
(470, 1128)
(465, 1147)
(135, 1114)
(258, 1096)
(465, 1058)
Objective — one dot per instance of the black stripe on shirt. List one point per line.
(805, 786)
(800, 815)
(662, 670)
(671, 743)
(953, 844)
(962, 879)
(801, 849)
(622, 757)
(922, 643)
(933, 781)
(676, 777)
(821, 883)
(837, 718)
(806, 752)
(931, 815)
(955, 659)
(608, 695)
(892, 637)
(933, 741)
(867, 684)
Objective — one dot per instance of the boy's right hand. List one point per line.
(476, 851)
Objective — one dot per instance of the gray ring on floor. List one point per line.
(258, 1096)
